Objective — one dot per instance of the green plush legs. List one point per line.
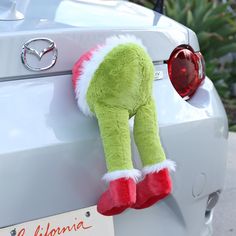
(121, 84)
(114, 129)
(116, 85)
(146, 135)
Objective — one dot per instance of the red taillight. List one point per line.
(186, 71)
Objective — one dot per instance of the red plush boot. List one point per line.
(154, 187)
(120, 195)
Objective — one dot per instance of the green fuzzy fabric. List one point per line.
(120, 88)
(146, 134)
(114, 129)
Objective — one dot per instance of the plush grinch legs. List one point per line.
(114, 129)
(156, 183)
(110, 82)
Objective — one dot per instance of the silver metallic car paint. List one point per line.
(11, 13)
(160, 34)
(72, 43)
(51, 157)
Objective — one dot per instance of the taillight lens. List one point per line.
(186, 71)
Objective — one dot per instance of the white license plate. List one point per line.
(83, 222)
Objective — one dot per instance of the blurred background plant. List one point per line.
(214, 22)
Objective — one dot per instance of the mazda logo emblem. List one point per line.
(38, 47)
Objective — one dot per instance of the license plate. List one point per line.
(83, 222)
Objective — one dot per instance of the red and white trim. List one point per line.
(114, 175)
(138, 175)
(170, 165)
(89, 67)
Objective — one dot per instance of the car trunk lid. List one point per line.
(78, 31)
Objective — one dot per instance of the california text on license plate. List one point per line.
(83, 222)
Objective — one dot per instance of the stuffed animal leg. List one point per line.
(156, 183)
(114, 82)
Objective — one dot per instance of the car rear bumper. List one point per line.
(51, 157)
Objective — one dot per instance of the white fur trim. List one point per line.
(170, 165)
(133, 174)
(90, 67)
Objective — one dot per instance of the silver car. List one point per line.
(51, 155)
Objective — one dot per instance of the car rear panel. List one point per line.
(73, 43)
(51, 155)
